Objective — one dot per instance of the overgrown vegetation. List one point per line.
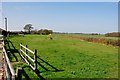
(113, 42)
(113, 34)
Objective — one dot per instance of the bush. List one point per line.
(114, 34)
(45, 31)
(102, 40)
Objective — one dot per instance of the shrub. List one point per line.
(114, 34)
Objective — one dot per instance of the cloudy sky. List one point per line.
(86, 17)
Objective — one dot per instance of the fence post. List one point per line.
(21, 51)
(20, 47)
(13, 77)
(19, 73)
(26, 51)
(35, 58)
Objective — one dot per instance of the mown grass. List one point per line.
(72, 57)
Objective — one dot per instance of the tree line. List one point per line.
(28, 29)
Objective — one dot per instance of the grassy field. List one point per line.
(66, 58)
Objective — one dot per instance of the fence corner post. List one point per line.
(19, 73)
(35, 58)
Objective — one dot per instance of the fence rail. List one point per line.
(26, 57)
(9, 70)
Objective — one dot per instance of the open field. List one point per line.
(66, 57)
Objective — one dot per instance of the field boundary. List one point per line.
(25, 56)
(111, 42)
(9, 70)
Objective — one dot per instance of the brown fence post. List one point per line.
(26, 51)
(35, 58)
(19, 73)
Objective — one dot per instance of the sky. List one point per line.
(60, 0)
(72, 17)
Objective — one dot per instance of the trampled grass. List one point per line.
(72, 58)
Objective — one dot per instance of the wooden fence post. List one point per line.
(13, 77)
(21, 51)
(19, 73)
(20, 47)
(26, 51)
(35, 58)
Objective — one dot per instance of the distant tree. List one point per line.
(28, 28)
(50, 31)
(45, 31)
(4, 33)
(40, 31)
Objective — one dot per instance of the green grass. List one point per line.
(73, 57)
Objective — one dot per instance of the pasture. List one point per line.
(65, 57)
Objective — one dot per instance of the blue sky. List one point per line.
(85, 17)
(60, 0)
